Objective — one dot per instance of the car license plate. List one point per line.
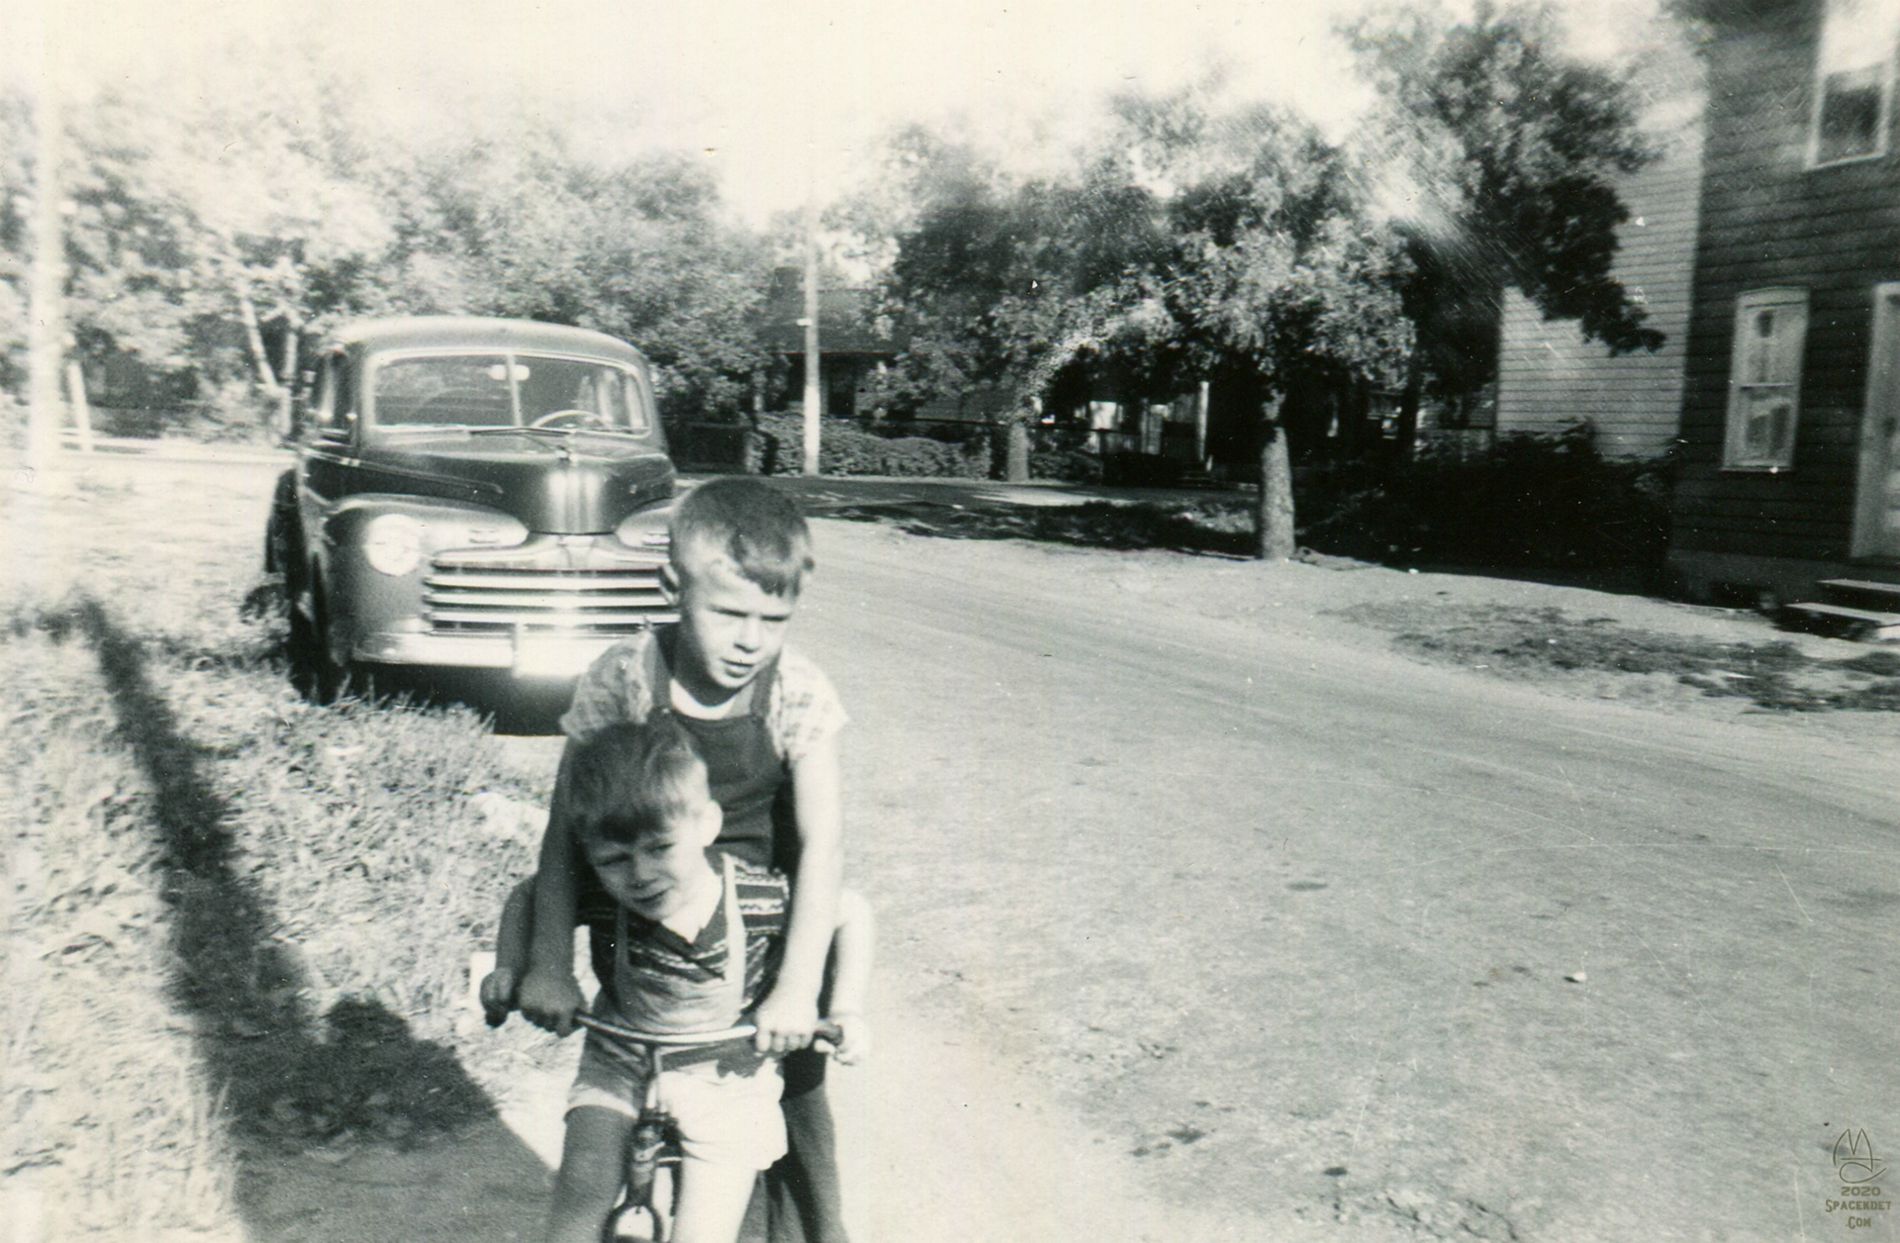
(537, 657)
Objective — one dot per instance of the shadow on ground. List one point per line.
(299, 1091)
(1185, 527)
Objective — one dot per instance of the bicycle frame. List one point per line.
(655, 1142)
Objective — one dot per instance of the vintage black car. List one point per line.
(473, 493)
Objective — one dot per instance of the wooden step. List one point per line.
(1861, 593)
(1843, 620)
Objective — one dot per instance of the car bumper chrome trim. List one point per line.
(531, 653)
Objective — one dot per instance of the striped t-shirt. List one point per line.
(678, 967)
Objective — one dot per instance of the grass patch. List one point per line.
(1776, 676)
(267, 905)
(113, 1127)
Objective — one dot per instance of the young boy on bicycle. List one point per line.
(685, 939)
(766, 721)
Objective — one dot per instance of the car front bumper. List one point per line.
(529, 655)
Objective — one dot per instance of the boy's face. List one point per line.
(730, 626)
(663, 868)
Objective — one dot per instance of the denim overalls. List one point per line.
(751, 785)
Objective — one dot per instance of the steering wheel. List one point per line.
(578, 418)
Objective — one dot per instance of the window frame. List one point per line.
(1734, 427)
(1884, 124)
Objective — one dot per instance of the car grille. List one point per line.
(570, 585)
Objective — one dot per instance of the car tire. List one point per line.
(315, 669)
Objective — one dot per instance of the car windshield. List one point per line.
(486, 390)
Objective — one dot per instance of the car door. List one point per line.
(326, 445)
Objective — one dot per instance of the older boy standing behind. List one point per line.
(764, 719)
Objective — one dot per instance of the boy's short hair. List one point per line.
(628, 780)
(749, 523)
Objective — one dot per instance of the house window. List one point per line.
(1853, 81)
(1764, 387)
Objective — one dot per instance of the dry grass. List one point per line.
(254, 910)
(111, 1123)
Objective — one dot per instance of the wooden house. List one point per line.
(1790, 457)
(1550, 378)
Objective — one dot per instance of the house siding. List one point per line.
(1550, 377)
(1769, 220)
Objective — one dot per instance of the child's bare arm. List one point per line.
(786, 1017)
(498, 988)
(550, 995)
(850, 980)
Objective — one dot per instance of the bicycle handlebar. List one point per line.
(825, 1030)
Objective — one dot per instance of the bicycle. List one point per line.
(653, 1155)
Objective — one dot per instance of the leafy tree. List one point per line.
(1003, 283)
(1190, 245)
(1279, 279)
(1510, 148)
(636, 250)
(210, 230)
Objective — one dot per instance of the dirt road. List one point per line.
(1206, 916)
(1199, 927)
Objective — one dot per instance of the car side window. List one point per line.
(322, 404)
(345, 389)
(333, 399)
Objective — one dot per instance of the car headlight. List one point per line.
(392, 544)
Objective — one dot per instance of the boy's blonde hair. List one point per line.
(628, 780)
(749, 524)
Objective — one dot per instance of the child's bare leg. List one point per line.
(593, 1169)
(712, 1201)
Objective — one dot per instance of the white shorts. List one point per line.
(727, 1114)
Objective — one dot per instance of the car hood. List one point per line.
(564, 484)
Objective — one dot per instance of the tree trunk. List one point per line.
(1408, 410)
(253, 338)
(76, 398)
(1016, 448)
(1273, 524)
(1200, 426)
(287, 369)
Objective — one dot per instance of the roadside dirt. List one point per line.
(1049, 1074)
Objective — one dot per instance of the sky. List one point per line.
(781, 99)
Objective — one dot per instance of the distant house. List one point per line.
(1790, 467)
(851, 350)
(1551, 378)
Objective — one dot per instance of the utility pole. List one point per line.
(812, 391)
(46, 313)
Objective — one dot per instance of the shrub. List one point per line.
(234, 410)
(715, 446)
(845, 449)
(1534, 501)
(1065, 465)
(916, 450)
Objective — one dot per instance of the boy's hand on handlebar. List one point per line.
(498, 995)
(854, 1039)
(549, 999)
(785, 1025)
